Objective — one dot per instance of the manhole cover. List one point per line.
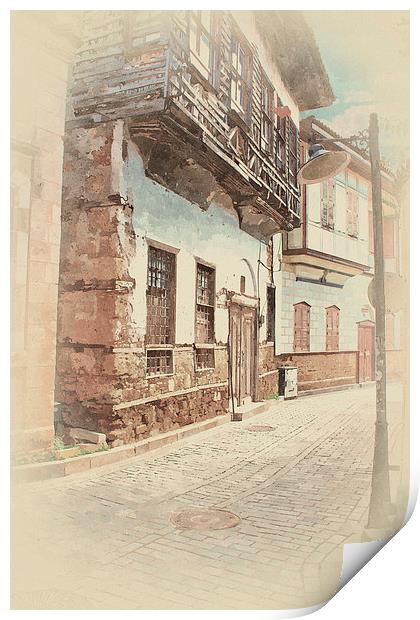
(260, 428)
(204, 519)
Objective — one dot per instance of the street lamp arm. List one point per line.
(360, 140)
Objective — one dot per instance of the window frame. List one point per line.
(242, 79)
(352, 213)
(195, 22)
(292, 152)
(271, 314)
(209, 342)
(280, 141)
(151, 344)
(266, 120)
(328, 202)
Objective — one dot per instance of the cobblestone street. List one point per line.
(104, 539)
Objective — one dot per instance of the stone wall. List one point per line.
(137, 422)
(110, 212)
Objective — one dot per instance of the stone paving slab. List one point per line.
(104, 539)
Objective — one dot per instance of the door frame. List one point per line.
(238, 304)
(366, 325)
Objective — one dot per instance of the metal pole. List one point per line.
(380, 499)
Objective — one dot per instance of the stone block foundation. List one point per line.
(129, 423)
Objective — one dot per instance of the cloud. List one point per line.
(394, 129)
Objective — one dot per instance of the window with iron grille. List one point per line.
(301, 341)
(332, 328)
(159, 362)
(327, 204)
(205, 302)
(204, 358)
(160, 300)
(160, 296)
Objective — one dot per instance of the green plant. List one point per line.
(82, 451)
(58, 443)
(273, 396)
(103, 447)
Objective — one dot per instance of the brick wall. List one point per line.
(324, 369)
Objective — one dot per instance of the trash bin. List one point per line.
(288, 381)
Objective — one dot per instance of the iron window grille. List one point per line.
(204, 316)
(159, 362)
(160, 302)
(204, 358)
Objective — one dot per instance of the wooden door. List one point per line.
(366, 351)
(242, 352)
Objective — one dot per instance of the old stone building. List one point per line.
(180, 177)
(327, 320)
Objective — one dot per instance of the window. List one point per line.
(352, 214)
(240, 76)
(293, 152)
(280, 153)
(267, 95)
(327, 204)
(333, 328)
(204, 358)
(204, 317)
(271, 313)
(242, 284)
(301, 340)
(200, 41)
(159, 362)
(160, 301)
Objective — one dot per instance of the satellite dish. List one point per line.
(322, 165)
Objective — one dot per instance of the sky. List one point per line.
(366, 55)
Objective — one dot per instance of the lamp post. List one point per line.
(324, 164)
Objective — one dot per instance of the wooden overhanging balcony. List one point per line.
(197, 135)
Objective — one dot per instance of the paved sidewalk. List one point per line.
(104, 539)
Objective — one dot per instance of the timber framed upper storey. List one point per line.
(196, 97)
